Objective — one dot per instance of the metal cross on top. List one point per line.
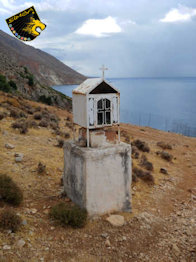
(103, 68)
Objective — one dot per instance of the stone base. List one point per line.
(97, 137)
(98, 179)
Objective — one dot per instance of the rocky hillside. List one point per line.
(47, 69)
(161, 226)
(29, 73)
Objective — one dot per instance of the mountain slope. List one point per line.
(47, 69)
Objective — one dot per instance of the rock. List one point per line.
(31, 233)
(24, 222)
(116, 220)
(175, 249)
(107, 243)
(33, 211)
(18, 157)
(163, 171)
(46, 211)
(5, 133)
(21, 243)
(104, 235)
(6, 247)
(67, 199)
(9, 146)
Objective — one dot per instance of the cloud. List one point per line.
(180, 14)
(99, 27)
(2, 10)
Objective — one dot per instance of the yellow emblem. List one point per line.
(26, 25)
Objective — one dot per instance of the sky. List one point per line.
(132, 38)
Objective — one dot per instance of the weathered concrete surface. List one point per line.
(98, 179)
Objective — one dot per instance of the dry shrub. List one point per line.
(68, 118)
(69, 215)
(22, 125)
(54, 118)
(18, 124)
(127, 139)
(134, 178)
(41, 168)
(9, 191)
(145, 163)
(144, 175)
(43, 123)
(141, 145)
(135, 152)
(66, 135)
(9, 220)
(22, 114)
(69, 124)
(17, 114)
(14, 113)
(2, 115)
(58, 132)
(24, 129)
(32, 124)
(37, 109)
(166, 156)
(30, 110)
(60, 143)
(37, 116)
(46, 114)
(54, 125)
(164, 145)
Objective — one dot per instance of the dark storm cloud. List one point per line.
(144, 46)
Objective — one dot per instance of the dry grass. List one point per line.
(164, 145)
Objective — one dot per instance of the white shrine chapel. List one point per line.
(97, 175)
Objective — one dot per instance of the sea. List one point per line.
(167, 104)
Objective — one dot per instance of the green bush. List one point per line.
(12, 84)
(7, 86)
(4, 86)
(45, 100)
(22, 75)
(31, 80)
(69, 215)
(9, 220)
(2, 79)
(9, 191)
(26, 70)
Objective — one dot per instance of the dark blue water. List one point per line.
(164, 103)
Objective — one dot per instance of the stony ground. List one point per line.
(160, 228)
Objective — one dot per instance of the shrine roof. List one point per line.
(90, 84)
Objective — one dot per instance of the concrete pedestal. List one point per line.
(98, 179)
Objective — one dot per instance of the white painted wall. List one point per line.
(85, 109)
(79, 109)
(98, 179)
